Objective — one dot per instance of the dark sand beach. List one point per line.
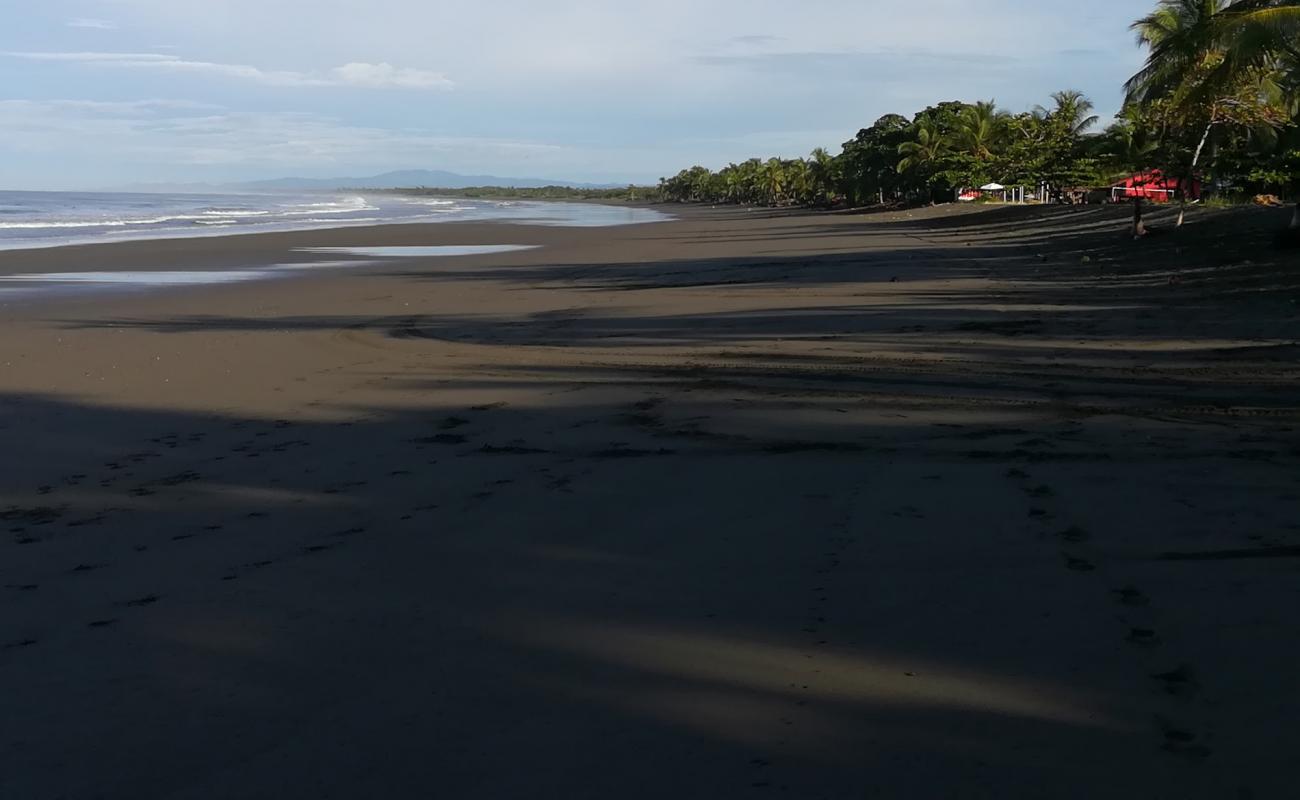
(946, 503)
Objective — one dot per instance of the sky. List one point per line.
(103, 93)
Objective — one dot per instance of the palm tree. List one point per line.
(823, 174)
(798, 180)
(1210, 61)
(1264, 31)
(979, 129)
(1073, 108)
(926, 151)
(1186, 67)
(772, 179)
(1128, 143)
(1183, 37)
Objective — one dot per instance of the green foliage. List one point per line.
(1218, 86)
(1218, 98)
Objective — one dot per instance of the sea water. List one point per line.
(45, 219)
(26, 285)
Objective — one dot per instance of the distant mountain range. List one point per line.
(399, 179)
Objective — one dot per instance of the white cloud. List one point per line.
(380, 75)
(95, 24)
(179, 133)
(355, 74)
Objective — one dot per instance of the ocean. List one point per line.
(46, 219)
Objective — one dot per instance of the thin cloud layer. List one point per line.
(92, 23)
(210, 138)
(355, 74)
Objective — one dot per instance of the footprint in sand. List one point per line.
(1142, 636)
(1078, 564)
(442, 438)
(1132, 596)
(1185, 743)
(1180, 681)
(1074, 534)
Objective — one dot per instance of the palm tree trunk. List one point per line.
(1191, 172)
(1139, 230)
(1295, 215)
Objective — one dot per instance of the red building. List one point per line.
(1153, 185)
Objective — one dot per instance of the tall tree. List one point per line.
(869, 162)
(823, 174)
(1200, 73)
(925, 153)
(979, 130)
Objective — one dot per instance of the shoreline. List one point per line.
(798, 499)
(212, 231)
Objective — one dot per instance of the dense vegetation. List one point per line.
(1218, 99)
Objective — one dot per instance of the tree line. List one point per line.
(1217, 102)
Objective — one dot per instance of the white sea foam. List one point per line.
(335, 221)
(44, 219)
(432, 202)
(420, 251)
(217, 212)
(348, 206)
(142, 277)
(94, 223)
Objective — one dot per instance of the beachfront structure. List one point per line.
(1017, 194)
(1153, 185)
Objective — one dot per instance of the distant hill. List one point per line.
(399, 179)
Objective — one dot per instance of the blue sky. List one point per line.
(106, 92)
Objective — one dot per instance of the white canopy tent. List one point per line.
(995, 187)
(1017, 193)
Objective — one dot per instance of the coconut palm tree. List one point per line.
(1127, 145)
(1186, 67)
(1072, 108)
(1183, 38)
(1212, 61)
(979, 130)
(798, 180)
(1268, 32)
(925, 152)
(823, 173)
(772, 180)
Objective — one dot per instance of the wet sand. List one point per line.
(949, 503)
